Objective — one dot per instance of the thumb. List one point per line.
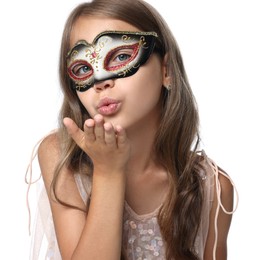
(74, 131)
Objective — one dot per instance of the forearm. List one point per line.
(102, 235)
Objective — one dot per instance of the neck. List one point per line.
(143, 157)
(147, 181)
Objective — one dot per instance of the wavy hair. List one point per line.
(177, 138)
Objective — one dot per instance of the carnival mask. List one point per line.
(113, 54)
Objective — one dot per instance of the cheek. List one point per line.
(146, 88)
(86, 100)
(151, 79)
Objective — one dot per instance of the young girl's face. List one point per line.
(131, 101)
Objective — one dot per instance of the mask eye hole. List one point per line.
(120, 57)
(80, 70)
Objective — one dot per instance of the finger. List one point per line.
(89, 130)
(99, 128)
(74, 131)
(110, 136)
(121, 136)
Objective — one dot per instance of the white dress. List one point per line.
(141, 234)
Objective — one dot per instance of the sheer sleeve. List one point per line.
(44, 244)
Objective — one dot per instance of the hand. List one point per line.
(108, 147)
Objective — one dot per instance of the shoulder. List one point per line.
(222, 183)
(219, 178)
(218, 186)
(48, 147)
(49, 155)
(227, 189)
(221, 210)
(53, 170)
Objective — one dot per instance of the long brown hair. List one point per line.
(177, 137)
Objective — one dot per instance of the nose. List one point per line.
(104, 84)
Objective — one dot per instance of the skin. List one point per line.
(120, 147)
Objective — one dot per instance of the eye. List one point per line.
(80, 70)
(120, 57)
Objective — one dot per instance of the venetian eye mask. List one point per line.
(113, 54)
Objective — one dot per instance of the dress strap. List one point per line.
(216, 172)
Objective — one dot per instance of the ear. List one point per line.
(166, 79)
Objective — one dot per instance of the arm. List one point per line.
(68, 222)
(223, 222)
(98, 234)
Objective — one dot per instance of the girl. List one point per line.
(122, 173)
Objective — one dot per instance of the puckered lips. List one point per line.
(108, 106)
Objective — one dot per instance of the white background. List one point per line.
(221, 45)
